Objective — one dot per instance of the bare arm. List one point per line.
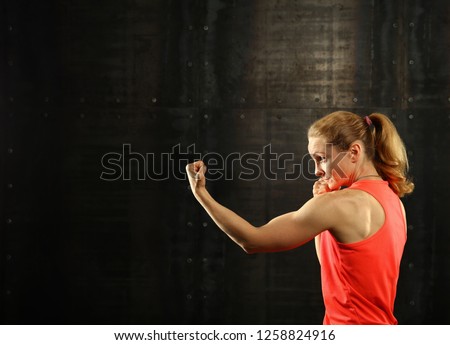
(281, 233)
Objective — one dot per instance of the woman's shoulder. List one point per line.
(348, 210)
(346, 194)
(344, 201)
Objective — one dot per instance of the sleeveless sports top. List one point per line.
(359, 280)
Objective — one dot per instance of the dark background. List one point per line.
(80, 79)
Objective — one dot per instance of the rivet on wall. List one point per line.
(410, 99)
(205, 224)
(395, 25)
(355, 100)
(154, 100)
(411, 62)
(189, 224)
(9, 221)
(205, 116)
(411, 116)
(10, 150)
(242, 116)
(206, 28)
(412, 303)
(411, 25)
(189, 260)
(188, 296)
(10, 186)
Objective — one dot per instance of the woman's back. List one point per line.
(359, 279)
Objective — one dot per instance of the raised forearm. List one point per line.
(237, 228)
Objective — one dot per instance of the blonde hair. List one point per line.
(382, 143)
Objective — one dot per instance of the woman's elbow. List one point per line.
(253, 244)
(247, 247)
(252, 248)
(249, 250)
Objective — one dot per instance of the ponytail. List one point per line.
(390, 158)
(383, 145)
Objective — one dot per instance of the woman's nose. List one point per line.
(318, 171)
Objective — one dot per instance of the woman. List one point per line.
(359, 231)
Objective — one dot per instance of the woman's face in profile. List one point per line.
(331, 165)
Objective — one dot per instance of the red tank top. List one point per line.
(359, 280)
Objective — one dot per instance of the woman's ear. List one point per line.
(355, 151)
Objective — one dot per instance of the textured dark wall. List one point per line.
(81, 79)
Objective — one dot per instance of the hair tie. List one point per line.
(369, 122)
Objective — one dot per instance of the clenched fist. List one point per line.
(196, 175)
(320, 187)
